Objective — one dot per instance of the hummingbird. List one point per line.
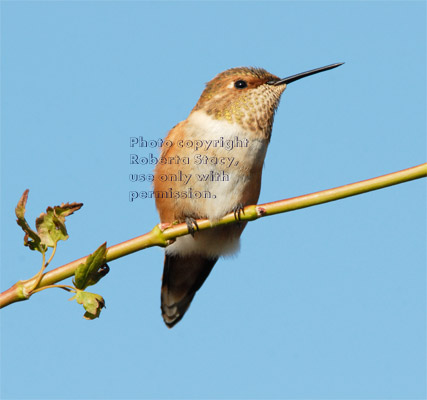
(210, 165)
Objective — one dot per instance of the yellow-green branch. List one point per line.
(161, 237)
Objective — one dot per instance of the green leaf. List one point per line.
(51, 225)
(31, 238)
(50, 228)
(92, 303)
(93, 269)
(94, 277)
(64, 210)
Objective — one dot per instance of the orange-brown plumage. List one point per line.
(252, 107)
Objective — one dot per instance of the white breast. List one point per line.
(228, 193)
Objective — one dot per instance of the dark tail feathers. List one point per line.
(182, 278)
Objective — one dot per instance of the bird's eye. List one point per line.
(240, 84)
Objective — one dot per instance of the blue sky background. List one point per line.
(322, 303)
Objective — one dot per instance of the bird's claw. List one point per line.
(192, 225)
(237, 210)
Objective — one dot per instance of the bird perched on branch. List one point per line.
(211, 166)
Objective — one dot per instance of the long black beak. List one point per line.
(294, 78)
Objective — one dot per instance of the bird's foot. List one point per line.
(192, 225)
(237, 210)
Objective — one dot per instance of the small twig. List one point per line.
(39, 275)
(68, 288)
